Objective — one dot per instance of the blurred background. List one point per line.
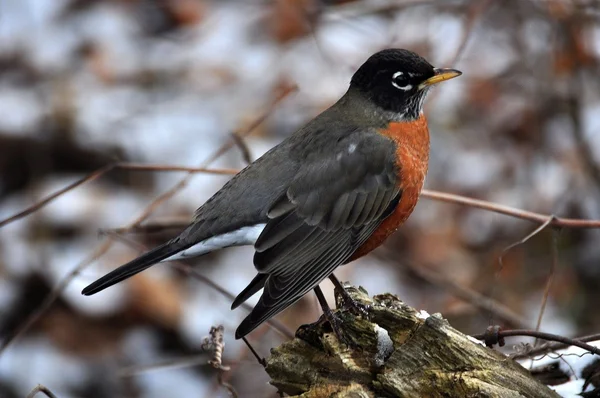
(85, 83)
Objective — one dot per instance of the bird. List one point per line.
(328, 194)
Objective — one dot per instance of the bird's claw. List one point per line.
(354, 306)
(336, 324)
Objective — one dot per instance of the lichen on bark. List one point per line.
(398, 352)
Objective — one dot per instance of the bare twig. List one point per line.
(99, 173)
(474, 298)
(543, 336)
(510, 211)
(359, 8)
(42, 389)
(54, 294)
(553, 346)
(507, 249)
(159, 225)
(226, 385)
(538, 218)
(224, 148)
(165, 167)
(38, 205)
(190, 271)
(474, 12)
(132, 166)
(103, 247)
(174, 363)
(549, 281)
(277, 326)
(243, 147)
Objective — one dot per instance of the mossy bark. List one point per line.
(400, 352)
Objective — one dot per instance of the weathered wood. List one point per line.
(402, 353)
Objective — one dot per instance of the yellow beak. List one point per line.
(440, 76)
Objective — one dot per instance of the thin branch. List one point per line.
(543, 336)
(510, 211)
(472, 297)
(189, 270)
(164, 167)
(223, 149)
(133, 166)
(549, 281)
(99, 173)
(243, 147)
(426, 193)
(228, 386)
(507, 249)
(54, 294)
(169, 364)
(553, 346)
(575, 109)
(38, 205)
(539, 218)
(105, 246)
(366, 7)
(159, 225)
(42, 389)
(474, 12)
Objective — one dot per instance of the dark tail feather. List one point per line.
(257, 283)
(133, 267)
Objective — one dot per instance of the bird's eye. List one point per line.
(400, 81)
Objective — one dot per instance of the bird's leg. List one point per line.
(349, 302)
(329, 316)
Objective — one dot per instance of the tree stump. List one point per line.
(401, 352)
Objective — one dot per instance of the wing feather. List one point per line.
(337, 199)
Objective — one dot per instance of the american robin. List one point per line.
(328, 194)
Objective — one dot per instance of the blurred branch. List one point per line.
(500, 334)
(507, 249)
(168, 364)
(554, 346)
(510, 211)
(549, 281)
(38, 205)
(191, 271)
(474, 12)
(162, 167)
(544, 219)
(42, 389)
(243, 147)
(585, 151)
(54, 294)
(222, 150)
(366, 7)
(105, 246)
(133, 166)
(102, 171)
(467, 294)
(159, 225)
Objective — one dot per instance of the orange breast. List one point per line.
(412, 157)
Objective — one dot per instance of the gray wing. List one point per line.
(338, 197)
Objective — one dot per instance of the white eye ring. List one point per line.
(403, 88)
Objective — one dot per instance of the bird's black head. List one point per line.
(397, 81)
